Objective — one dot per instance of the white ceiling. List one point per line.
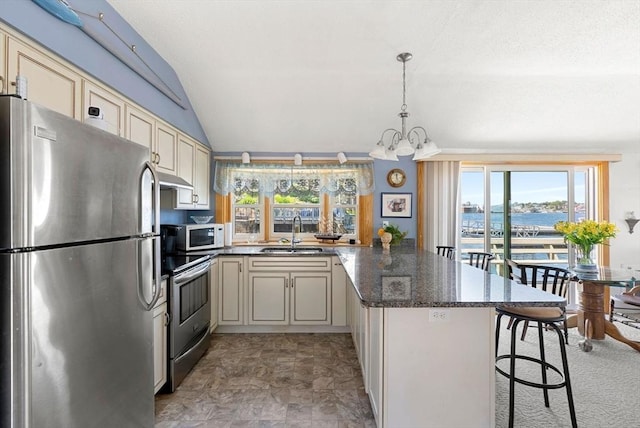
(322, 76)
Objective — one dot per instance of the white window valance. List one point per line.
(269, 178)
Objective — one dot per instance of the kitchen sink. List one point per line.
(289, 250)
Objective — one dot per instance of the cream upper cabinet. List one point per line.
(201, 176)
(166, 148)
(186, 168)
(49, 83)
(55, 84)
(139, 127)
(112, 107)
(193, 166)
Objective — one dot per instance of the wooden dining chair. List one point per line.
(446, 251)
(625, 308)
(552, 279)
(480, 260)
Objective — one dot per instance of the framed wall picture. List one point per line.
(396, 205)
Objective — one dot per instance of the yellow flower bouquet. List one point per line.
(585, 234)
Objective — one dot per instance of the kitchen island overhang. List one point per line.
(424, 328)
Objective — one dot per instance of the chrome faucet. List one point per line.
(294, 241)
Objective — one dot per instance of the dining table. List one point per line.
(590, 318)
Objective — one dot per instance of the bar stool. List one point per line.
(446, 251)
(625, 307)
(550, 317)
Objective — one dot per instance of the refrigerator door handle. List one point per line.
(155, 227)
(149, 201)
(144, 278)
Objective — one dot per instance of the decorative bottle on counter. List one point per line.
(386, 241)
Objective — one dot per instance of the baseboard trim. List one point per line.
(281, 329)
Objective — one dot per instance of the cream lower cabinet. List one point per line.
(416, 363)
(49, 83)
(338, 293)
(269, 298)
(289, 290)
(359, 325)
(214, 293)
(160, 325)
(281, 298)
(310, 298)
(375, 325)
(230, 291)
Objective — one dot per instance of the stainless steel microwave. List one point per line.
(193, 237)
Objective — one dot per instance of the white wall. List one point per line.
(625, 196)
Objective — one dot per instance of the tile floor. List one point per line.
(271, 380)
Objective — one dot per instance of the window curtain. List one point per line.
(269, 178)
(442, 180)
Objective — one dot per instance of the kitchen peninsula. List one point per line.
(423, 326)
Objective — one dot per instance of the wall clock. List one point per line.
(396, 177)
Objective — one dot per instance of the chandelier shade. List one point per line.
(416, 141)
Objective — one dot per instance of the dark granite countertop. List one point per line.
(407, 277)
(257, 250)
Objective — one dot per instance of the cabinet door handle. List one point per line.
(2, 86)
(293, 282)
(158, 158)
(239, 267)
(167, 318)
(286, 283)
(197, 199)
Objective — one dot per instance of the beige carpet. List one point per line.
(605, 382)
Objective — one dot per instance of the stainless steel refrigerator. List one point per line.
(78, 273)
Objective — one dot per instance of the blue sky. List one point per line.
(525, 187)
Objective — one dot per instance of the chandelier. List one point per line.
(403, 143)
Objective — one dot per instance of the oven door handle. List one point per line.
(189, 275)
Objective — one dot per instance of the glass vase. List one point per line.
(584, 259)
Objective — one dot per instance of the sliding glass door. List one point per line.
(510, 211)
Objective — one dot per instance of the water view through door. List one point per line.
(536, 200)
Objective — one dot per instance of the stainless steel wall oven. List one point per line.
(190, 314)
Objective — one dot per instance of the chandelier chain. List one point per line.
(404, 87)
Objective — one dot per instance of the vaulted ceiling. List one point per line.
(322, 76)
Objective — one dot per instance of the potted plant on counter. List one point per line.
(390, 235)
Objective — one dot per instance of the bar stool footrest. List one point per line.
(562, 384)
